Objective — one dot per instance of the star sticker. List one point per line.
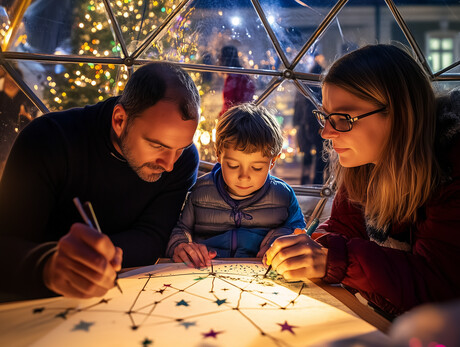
(263, 304)
(167, 285)
(275, 293)
(146, 342)
(62, 315)
(199, 278)
(225, 289)
(38, 310)
(220, 301)
(212, 333)
(182, 303)
(160, 291)
(104, 301)
(286, 326)
(82, 326)
(187, 324)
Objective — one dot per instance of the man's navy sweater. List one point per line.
(69, 154)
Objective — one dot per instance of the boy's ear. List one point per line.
(119, 119)
(273, 161)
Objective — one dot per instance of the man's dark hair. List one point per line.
(158, 81)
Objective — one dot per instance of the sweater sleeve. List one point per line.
(27, 196)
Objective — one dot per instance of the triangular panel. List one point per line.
(62, 86)
(64, 27)
(356, 25)
(138, 18)
(203, 28)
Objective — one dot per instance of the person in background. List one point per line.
(131, 156)
(238, 209)
(238, 88)
(393, 234)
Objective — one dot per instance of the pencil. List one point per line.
(92, 224)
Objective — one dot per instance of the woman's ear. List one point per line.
(119, 119)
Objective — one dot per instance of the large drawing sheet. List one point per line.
(230, 304)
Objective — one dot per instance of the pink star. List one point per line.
(286, 326)
(166, 285)
(212, 333)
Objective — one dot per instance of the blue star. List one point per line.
(220, 302)
(182, 303)
(82, 326)
(187, 324)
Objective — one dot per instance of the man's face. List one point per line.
(153, 142)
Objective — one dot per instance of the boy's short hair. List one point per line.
(249, 128)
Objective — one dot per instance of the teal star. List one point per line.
(146, 342)
(187, 324)
(82, 326)
(199, 278)
(220, 302)
(182, 303)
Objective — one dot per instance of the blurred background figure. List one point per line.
(16, 111)
(308, 139)
(238, 88)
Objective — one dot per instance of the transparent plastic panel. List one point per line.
(302, 145)
(443, 87)
(435, 27)
(138, 18)
(200, 32)
(16, 112)
(63, 27)
(356, 25)
(63, 86)
(294, 22)
(218, 92)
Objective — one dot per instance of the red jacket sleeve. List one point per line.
(393, 279)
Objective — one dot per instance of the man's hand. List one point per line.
(85, 264)
(193, 254)
(297, 257)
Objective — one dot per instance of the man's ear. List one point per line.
(273, 161)
(119, 119)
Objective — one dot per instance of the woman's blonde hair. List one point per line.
(406, 173)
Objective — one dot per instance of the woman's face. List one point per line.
(364, 142)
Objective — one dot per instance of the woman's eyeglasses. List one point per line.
(342, 122)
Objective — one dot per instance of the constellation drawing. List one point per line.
(171, 304)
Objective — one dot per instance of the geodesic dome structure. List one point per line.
(67, 53)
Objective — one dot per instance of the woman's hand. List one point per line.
(193, 254)
(297, 257)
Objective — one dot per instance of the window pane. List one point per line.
(434, 43)
(447, 44)
(447, 59)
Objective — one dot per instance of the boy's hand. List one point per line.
(193, 254)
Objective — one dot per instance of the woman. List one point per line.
(394, 230)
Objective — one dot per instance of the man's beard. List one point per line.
(127, 154)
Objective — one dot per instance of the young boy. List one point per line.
(238, 209)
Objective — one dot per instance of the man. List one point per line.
(131, 156)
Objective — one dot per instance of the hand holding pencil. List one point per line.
(84, 265)
(297, 257)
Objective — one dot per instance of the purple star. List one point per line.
(286, 326)
(212, 333)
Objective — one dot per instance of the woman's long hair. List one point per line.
(407, 171)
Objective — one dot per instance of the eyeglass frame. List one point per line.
(350, 119)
